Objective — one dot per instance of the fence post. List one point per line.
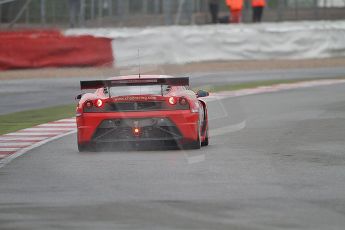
(53, 15)
(27, 16)
(100, 11)
(43, 12)
(82, 13)
(157, 9)
(122, 8)
(190, 11)
(179, 11)
(316, 9)
(325, 3)
(279, 10)
(74, 12)
(0, 15)
(168, 12)
(144, 7)
(110, 8)
(296, 9)
(92, 9)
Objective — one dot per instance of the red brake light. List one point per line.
(172, 101)
(99, 103)
(136, 132)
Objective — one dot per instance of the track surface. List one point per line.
(19, 95)
(284, 170)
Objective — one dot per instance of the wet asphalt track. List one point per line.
(19, 95)
(284, 170)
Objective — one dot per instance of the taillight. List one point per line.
(172, 101)
(136, 131)
(99, 103)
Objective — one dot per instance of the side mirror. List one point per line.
(202, 93)
(78, 97)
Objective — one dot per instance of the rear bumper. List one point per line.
(183, 122)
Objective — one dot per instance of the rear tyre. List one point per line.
(195, 144)
(84, 147)
(205, 142)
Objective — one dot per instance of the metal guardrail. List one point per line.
(91, 13)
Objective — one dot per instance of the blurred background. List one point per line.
(120, 13)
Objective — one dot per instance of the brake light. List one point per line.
(136, 132)
(172, 101)
(99, 103)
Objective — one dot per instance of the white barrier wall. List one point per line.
(183, 44)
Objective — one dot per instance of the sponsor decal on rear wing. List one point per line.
(178, 81)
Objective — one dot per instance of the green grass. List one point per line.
(26, 119)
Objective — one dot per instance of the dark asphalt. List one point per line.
(19, 95)
(284, 170)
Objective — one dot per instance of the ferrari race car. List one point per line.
(138, 111)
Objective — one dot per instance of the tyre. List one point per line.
(205, 142)
(84, 148)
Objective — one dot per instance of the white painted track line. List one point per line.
(16, 144)
(58, 125)
(10, 138)
(8, 149)
(27, 134)
(65, 120)
(49, 129)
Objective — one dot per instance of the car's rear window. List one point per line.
(139, 90)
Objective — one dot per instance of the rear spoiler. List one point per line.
(178, 81)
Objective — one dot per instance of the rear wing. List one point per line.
(178, 81)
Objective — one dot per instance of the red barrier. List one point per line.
(36, 49)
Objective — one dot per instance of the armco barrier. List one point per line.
(36, 49)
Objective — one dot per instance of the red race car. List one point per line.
(148, 110)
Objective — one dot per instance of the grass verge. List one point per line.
(20, 120)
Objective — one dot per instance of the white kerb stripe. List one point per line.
(3, 138)
(8, 149)
(48, 129)
(58, 125)
(16, 144)
(33, 134)
(67, 120)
